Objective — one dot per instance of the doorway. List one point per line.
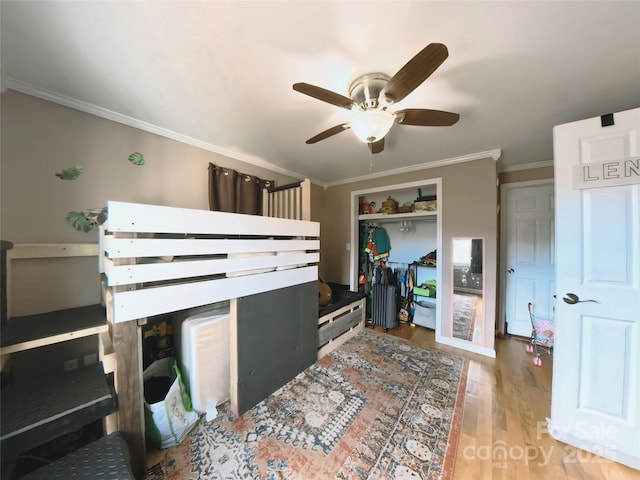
(527, 254)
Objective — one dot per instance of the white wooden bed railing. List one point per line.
(213, 256)
(288, 201)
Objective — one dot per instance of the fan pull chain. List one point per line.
(370, 160)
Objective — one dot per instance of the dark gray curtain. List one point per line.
(234, 192)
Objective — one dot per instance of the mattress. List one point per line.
(202, 344)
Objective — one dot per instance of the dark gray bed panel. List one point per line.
(277, 335)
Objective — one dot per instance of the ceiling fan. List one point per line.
(371, 95)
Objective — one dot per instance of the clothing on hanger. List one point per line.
(377, 243)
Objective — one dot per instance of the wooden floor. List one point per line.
(504, 428)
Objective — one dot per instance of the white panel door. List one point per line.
(529, 258)
(596, 373)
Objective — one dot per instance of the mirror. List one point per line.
(468, 289)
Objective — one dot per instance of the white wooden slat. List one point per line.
(154, 272)
(305, 199)
(53, 339)
(298, 203)
(101, 240)
(287, 203)
(265, 202)
(140, 218)
(157, 247)
(273, 205)
(293, 202)
(52, 250)
(284, 205)
(277, 204)
(106, 352)
(133, 304)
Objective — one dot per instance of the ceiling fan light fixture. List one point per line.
(371, 125)
(371, 94)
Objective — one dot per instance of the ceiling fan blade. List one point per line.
(377, 147)
(415, 71)
(323, 94)
(328, 133)
(426, 118)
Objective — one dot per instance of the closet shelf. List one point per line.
(390, 217)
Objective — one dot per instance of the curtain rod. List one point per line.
(246, 176)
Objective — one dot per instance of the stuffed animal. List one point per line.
(324, 294)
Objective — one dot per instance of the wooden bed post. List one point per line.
(306, 199)
(127, 346)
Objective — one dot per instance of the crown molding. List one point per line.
(22, 87)
(493, 154)
(525, 166)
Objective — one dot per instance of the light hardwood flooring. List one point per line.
(503, 434)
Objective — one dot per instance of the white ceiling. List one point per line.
(219, 74)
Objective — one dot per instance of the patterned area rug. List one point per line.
(376, 407)
(463, 306)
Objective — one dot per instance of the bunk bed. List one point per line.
(158, 260)
(155, 260)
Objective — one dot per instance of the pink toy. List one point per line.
(541, 337)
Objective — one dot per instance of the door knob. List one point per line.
(511, 270)
(572, 299)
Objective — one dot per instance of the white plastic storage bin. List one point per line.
(425, 314)
(202, 344)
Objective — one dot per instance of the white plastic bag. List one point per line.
(168, 421)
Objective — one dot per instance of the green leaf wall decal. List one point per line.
(70, 173)
(80, 221)
(136, 158)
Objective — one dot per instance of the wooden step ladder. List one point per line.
(40, 408)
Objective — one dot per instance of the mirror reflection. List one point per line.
(468, 289)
